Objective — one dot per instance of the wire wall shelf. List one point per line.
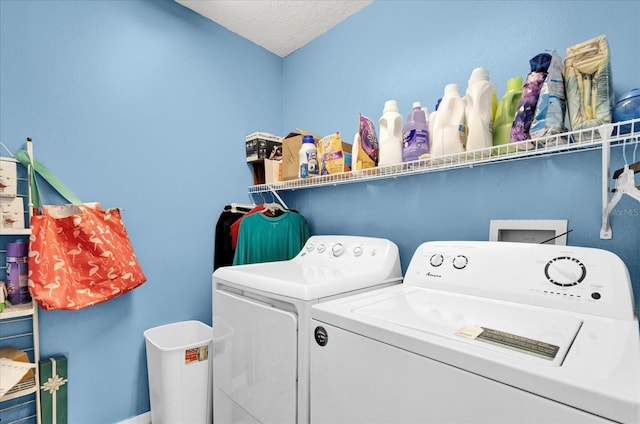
(567, 142)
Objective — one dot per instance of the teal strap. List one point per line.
(36, 167)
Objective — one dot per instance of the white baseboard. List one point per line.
(138, 419)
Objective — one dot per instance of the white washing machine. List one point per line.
(483, 332)
(262, 376)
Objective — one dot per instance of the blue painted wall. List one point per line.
(144, 105)
(408, 51)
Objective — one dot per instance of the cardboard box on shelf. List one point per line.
(260, 145)
(290, 146)
(272, 171)
(257, 170)
(14, 354)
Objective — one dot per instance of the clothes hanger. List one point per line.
(274, 207)
(238, 207)
(625, 184)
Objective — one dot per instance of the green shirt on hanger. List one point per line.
(266, 239)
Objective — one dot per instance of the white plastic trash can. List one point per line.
(180, 372)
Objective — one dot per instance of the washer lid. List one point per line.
(542, 336)
(595, 368)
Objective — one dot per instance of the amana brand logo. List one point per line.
(428, 274)
(321, 336)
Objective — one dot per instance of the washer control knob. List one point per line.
(357, 251)
(322, 247)
(436, 260)
(565, 271)
(337, 249)
(460, 262)
(310, 247)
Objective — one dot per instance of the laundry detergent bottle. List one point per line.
(449, 131)
(506, 112)
(415, 135)
(478, 110)
(308, 158)
(390, 141)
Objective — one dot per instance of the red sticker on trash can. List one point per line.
(196, 354)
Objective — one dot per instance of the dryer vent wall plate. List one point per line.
(529, 230)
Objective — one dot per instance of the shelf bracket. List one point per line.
(277, 196)
(274, 194)
(605, 230)
(625, 184)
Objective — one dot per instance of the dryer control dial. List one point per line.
(337, 249)
(460, 262)
(436, 260)
(322, 247)
(565, 271)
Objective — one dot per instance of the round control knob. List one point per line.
(322, 247)
(460, 262)
(337, 249)
(565, 271)
(436, 260)
(310, 247)
(357, 251)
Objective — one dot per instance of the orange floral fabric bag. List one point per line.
(80, 254)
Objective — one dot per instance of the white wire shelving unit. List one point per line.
(626, 133)
(568, 142)
(19, 323)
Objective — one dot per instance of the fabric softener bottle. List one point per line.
(506, 112)
(415, 135)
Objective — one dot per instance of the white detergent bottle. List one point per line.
(479, 110)
(431, 120)
(308, 158)
(449, 131)
(390, 142)
(427, 117)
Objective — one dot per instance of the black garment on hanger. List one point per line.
(223, 251)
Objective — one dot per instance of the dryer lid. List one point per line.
(326, 266)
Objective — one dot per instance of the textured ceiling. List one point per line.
(280, 26)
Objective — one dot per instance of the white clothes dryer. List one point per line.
(263, 374)
(483, 332)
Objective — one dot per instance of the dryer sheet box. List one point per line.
(8, 177)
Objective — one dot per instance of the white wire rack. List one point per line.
(572, 141)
